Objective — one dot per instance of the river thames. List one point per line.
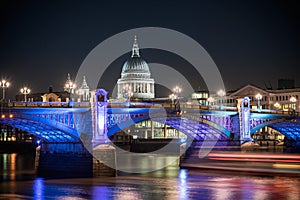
(18, 181)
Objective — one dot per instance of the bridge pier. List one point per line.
(104, 155)
(63, 159)
(74, 160)
(104, 161)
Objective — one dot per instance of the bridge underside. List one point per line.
(191, 128)
(290, 129)
(194, 129)
(44, 132)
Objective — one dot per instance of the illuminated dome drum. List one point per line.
(135, 81)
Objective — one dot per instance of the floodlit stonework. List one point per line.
(135, 81)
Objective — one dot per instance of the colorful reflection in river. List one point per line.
(169, 183)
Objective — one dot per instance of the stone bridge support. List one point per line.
(104, 155)
(66, 159)
(104, 161)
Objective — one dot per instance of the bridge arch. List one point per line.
(199, 129)
(289, 129)
(265, 124)
(44, 129)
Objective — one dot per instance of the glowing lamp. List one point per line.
(177, 89)
(277, 105)
(4, 84)
(293, 99)
(25, 91)
(221, 93)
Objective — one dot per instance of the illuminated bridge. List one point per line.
(80, 127)
(62, 124)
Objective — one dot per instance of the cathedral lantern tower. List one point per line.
(135, 81)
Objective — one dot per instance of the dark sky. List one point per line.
(250, 41)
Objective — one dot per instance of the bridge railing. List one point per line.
(168, 106)
(279, 112)
(23, 104)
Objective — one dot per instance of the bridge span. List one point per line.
(76, 130)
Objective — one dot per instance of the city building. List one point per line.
(201, 97)
(284, 98)
(205, 98)
(50, 96)
(251, 91)
(70, 92)
(147, 130)
(135, 81)
(278, 99)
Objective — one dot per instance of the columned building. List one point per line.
(280, 99)
(135, 81)
(252, 91)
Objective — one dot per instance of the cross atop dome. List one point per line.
(135, 48)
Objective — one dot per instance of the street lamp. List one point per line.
(258, 97)
(25, 91)
(277, 105)
(4, 84)
(221, 93)
(70, 87)
(177, 90)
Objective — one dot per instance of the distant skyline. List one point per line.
(251, 42)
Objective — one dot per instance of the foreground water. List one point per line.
(18, 181)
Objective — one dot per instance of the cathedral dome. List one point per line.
(135, 78)
(135, 65)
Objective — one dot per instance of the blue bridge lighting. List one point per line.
(67, 124)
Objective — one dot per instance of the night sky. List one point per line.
(251, 42)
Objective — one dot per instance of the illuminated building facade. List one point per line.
(135, 81)
(80, 95)
(280, 99)
(201, 97)
(286, 99)
(147, 130)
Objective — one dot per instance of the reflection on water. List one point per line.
(8, 163)
(38, 189)
(168, 183)
(16, 166)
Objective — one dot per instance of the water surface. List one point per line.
(18, 181)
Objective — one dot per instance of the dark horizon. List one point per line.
(251, 42)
